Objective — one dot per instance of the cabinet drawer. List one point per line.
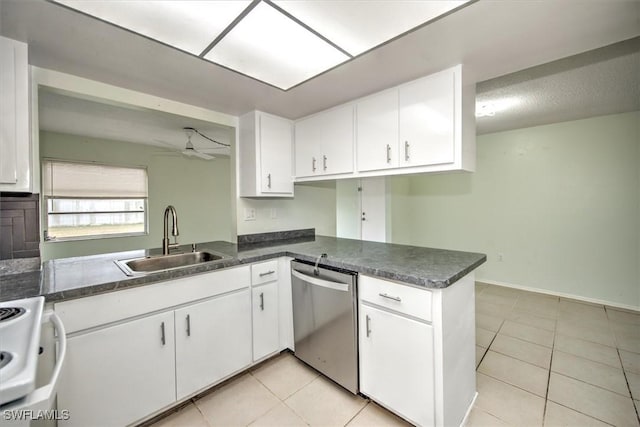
(397, 297)
(264, 272)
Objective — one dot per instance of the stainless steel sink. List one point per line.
(154, 264)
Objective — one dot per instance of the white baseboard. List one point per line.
(559, 294)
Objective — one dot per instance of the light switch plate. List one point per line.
(249, 214)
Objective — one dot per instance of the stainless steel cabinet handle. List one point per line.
(363, 216)
(324, 163)
(163, 339)
(390, 297)
(313, 164)
(368, 322)
(406, 150)
(388, 153)
(269, 181)
(266, 273)
(262, 301)
(188, 325)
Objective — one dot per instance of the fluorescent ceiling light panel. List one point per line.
(271, 47)
(188, 25)
(357, 26)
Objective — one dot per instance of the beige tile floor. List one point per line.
(541, 360)
(544, 360)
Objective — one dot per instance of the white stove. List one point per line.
(20, 323)
(20, 326)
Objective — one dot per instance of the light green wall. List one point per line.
(200, 191)
(561, 203)
(314, 206)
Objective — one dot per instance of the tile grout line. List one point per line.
(358, 413)
(624, 371)
(546, 396)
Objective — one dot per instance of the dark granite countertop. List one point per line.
(70, 278)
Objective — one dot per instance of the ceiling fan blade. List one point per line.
(194, 153)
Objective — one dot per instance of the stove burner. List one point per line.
(8, 313)
(5, 358)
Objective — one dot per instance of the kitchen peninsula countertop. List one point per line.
(70, 278)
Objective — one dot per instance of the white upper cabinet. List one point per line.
(265, 149)
(15, 142)
(377, 131)
(426, 125)
(428, 120)
(324, 143)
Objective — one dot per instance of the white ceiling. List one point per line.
(280, 42)
(491, 38)
(599, 82)
(59, 112)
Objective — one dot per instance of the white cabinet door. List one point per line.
(377, 131)
(120, 374)
(324, 143)
(275, 154)
(266, 339)
(427, 120)
(15, 143)
(337, 141)
(307, 147)
(397, 364)
(265, 147)
(213, 340)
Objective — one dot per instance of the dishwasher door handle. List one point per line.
(338, 286)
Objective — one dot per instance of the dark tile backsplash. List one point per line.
(19, 226)
(244, 239)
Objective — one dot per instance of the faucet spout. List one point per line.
(166, 245)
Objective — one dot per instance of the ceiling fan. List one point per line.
(191, 151)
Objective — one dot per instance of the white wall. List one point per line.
(314, 206)
(560, 202)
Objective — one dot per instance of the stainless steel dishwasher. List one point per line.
(325, 321)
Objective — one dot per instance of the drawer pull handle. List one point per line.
(313, 164)
(324, 162)
(269, 181)
(262, 301)
(388, 153)
(368, 325)
(188, 325)
(406, 151)
(266, 273)
(390, 297)
(162, 336)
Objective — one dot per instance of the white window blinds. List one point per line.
(83, 180)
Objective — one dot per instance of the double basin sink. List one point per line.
(154, 264)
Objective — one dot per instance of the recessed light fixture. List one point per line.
(279, 42)
(491, 107)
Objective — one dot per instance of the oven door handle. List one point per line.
(43, 397)
(338, 286)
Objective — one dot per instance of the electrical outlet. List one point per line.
(500, 257)
(249, 214)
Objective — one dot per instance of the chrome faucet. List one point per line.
(166, 246)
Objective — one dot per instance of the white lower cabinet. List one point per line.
(136, 352)
(119, 374)
(396, 363)
(213, 340)
(417, 349)
(266, 339)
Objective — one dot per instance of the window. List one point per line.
(88, 201)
